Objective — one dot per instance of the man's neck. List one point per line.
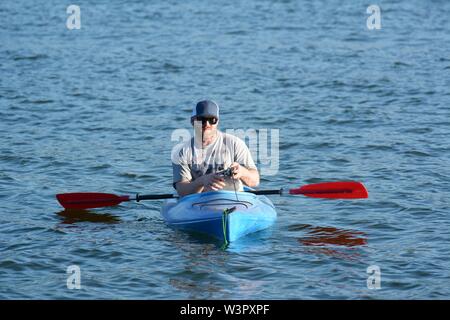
(206, 141)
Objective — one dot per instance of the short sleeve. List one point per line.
(243, 155)
(180, 168)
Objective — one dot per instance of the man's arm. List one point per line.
(185, 187)
(209, 182)
(250, 177)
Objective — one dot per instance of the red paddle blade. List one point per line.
(86, 200)
(333, 190)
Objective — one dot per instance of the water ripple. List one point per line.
(94, 110)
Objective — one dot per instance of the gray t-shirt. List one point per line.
(191, 161)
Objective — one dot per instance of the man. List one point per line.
(197, 163)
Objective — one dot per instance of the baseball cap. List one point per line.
(206, 108)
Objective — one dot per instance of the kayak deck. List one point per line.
(207, 213)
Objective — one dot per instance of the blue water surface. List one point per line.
(95, 108)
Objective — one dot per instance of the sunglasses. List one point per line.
(211, 121)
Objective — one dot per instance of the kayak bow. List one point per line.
(224, 215)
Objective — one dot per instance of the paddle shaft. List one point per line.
(153, 197)
(170, 196)
(266, 192)
(257, 192)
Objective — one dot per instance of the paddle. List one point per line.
(330, 190)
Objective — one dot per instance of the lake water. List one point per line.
(94, 109)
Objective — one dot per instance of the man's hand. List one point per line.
(249, 177)
(213, 182)
(238, 171)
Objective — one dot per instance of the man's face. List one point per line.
(208, 126)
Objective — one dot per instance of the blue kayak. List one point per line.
(225, 215)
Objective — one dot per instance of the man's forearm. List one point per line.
(186, 187)
(250, 177)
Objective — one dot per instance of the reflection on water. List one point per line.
(71, 216)
(196, 289)
(322, 236)
(205, 258)
(330, 240)
(249, 242)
